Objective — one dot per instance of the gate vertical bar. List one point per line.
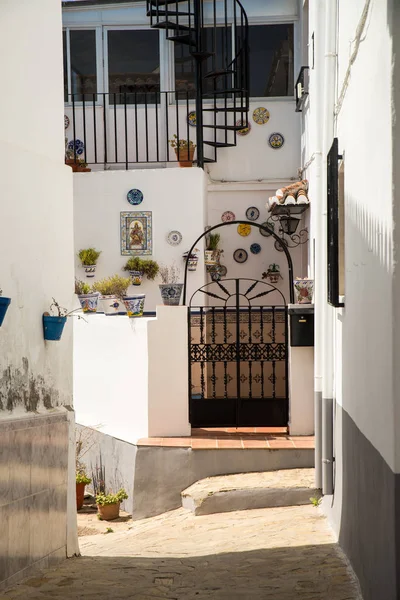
(189, 318)
(237, 290)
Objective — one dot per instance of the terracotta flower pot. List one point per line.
(185, 158)
(108, 512)
(80, 494)
(76, 167)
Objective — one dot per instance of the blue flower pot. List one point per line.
(4, 303)
(53, 327)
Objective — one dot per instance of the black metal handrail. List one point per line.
(126, 128)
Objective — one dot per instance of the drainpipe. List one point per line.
(319, 298)
(327, 311)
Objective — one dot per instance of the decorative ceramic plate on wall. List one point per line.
(76, 145)
(174, 238)
(261, 115)
(244, 229)
(240, 255)
(66, 122)
(276, 140)
(228, 216)
(191, 118)
(263, 231)
(246, 128)
(252, 213)
(255, 248)
(135, 197)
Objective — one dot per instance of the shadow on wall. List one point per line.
(299, 572)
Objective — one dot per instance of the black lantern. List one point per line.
(289, 224)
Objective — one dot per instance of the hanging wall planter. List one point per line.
(53, 327)
(4, 304)
(192, 262)
(89, 258)
(134, 304)
(138, 267)
(136, 277)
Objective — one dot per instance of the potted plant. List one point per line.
(89, 258)
(108, 504)
(184, 150)
(4, 304)
(303, 289)
(53, 324)
(87, 298)
(212, 253)
(81, 481)
(112, 291)
(72, 152)
(273, 273)
(193, 260)
(138, 267)
(170, 289)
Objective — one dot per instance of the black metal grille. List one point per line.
(333, 225)
(238, 356)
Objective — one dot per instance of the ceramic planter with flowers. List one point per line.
(112, 291)
(87, 297)
(212, 252)
(193, 260)
(184, 150)
(89, 258)
(303, 290)
(4, 304)
(139, 267)
(273, 274)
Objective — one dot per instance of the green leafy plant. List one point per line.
(82, 478)
(103, 499)
(148, 267)
(315, 501)
(181, 144)
(112, 286)
(108, 530)
(82, 288)
(89, 256)
(212, 241)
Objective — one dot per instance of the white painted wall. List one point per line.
(176, 198)
(36, 245)
(301, 390)
(131, 375)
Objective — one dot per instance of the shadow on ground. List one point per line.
(288, 573)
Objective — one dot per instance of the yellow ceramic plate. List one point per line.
(244, 229)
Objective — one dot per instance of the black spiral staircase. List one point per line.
(212, 33)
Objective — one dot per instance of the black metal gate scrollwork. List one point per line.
(238, 355)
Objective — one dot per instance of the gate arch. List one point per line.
(253, 224)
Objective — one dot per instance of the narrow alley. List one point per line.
(276, 553)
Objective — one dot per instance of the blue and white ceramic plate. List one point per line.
(252, 213)
(191, 118)
(240, 255)
(135, 197)
(66, 122)
(174, 238)
(276, 140)
(255, 248)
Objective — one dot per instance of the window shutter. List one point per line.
(333, 225)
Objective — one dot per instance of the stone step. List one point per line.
(245, 491)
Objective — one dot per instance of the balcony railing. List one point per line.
(129, 127)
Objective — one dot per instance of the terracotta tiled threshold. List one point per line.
(243, 438)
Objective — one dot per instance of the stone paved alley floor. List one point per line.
(280, 554)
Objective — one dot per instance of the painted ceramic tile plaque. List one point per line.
(136, 233)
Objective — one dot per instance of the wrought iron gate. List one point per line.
(238, 355)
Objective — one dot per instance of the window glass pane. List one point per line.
(219, 41)
(271, 60)
(83, 63)
(133, 65)
(65, 66)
